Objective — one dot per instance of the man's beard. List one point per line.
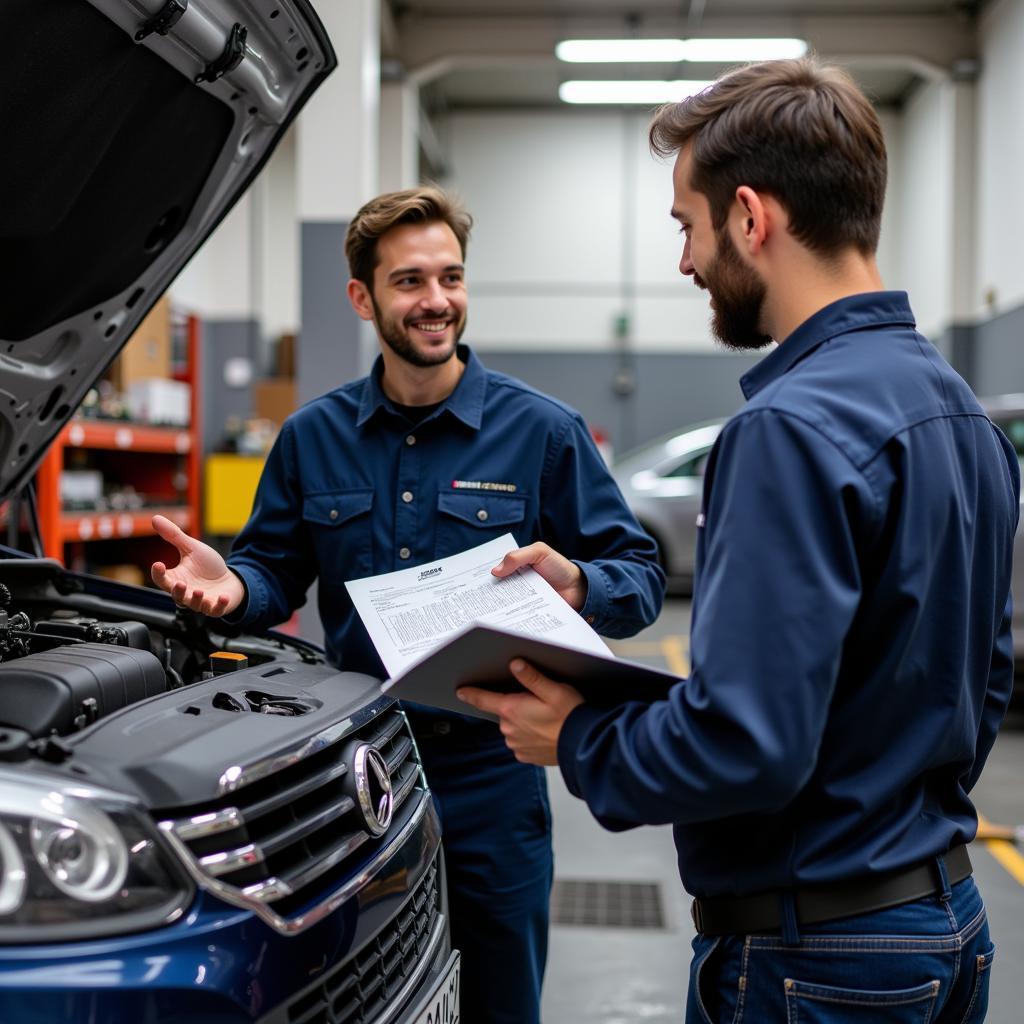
(396, 336)
(737, 298)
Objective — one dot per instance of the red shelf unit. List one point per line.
(61, 527)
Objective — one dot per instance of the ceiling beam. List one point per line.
(931, 44)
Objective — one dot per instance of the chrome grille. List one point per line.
(364, 986)
(281, 838)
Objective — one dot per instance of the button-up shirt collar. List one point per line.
(853, 313)
(465, 403)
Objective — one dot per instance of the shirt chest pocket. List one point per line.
(341, 528)
(466, 520)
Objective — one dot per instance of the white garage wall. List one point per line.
(543, 263)
(671, 312)
(276, 251)
(922, 200)
(573, 228)
(888, 243)
(1001, 156)
(249, 267)
(216, 283)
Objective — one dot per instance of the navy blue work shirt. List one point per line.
(850, 640)
(352, 488)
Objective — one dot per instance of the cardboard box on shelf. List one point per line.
(122, 573)
(274, 399)
(286, 355)
(148, 352)
(160, 402)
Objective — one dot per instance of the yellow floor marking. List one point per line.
(676, 650)
(636, 648)
(1006, 854)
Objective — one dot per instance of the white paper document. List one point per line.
(411, 612)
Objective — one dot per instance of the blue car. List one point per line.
(196, 825)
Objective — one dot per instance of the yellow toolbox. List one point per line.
(230, 486)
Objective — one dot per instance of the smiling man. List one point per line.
(428, 456)
(850, 636)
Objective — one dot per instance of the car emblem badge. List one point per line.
(373, 788)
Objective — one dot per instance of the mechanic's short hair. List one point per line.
(799, 130)
(425, 205)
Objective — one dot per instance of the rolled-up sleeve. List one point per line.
(778, 590)
(585, 517)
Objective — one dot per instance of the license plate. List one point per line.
(443, 1005)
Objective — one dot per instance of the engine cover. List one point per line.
(68, 688)
(174, 750)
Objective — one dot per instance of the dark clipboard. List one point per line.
(479, 656)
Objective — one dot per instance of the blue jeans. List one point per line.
(925, 962)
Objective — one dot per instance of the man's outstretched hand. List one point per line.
(201, 580)
(530, 722)
(566, 578)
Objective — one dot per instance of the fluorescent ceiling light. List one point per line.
(648, 92)
(718, 51)
(612, 51)
(728, 50)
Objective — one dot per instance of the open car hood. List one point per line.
(129, 129)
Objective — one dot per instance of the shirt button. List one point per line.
(482, 515)
(404, 552)
(590, 620)
(410, 440)
(407, 496)
(334, 513)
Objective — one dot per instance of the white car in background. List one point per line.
(1007, 412)
(662, 483)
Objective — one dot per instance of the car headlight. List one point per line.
(77, 862)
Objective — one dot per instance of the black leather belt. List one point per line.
(762, 912)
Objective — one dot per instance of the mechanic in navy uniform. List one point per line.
(850, 636)
(428, 456)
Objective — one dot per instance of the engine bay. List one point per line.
(75, 649)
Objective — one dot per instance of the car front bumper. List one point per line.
(381, 951)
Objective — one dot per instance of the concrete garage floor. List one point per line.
(621, 975)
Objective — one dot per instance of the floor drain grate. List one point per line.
(602, 904)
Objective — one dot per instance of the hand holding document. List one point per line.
(450, 622)
(410, 612)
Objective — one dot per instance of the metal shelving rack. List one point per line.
(168, 446)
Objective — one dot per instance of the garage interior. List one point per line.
(574, 286)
